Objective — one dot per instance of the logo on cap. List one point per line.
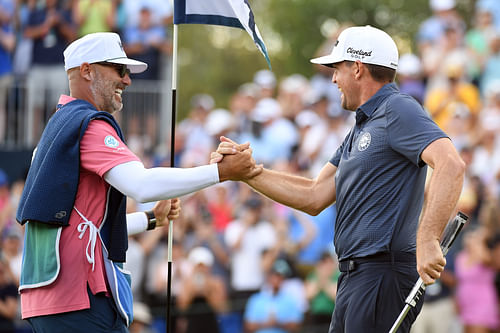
(358, 54)
(111, 142)
(121, 46)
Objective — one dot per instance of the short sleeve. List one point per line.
(101, 149)
(409, 127)
(335, 160)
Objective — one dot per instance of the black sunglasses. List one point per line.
(120, 68)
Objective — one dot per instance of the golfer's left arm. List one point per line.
(443, 191)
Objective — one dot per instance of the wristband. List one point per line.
(151, 220)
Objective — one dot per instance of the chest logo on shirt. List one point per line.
(364, 141)
(111, 142)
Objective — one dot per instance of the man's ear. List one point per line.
(86, 71)
(358, 69)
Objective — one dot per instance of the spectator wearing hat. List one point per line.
(142, 319)
(266, 80)
(432, 30)
(377, 179)
(441, 101)
(203, 294)
(72, 278)
(272, 310)
(409, 77)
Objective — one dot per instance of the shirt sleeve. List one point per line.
(101, 149)
(409, 127)
(335, 160)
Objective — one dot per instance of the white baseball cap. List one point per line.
(366, 44)
(201, 255)
(439, 5)
(99, 47)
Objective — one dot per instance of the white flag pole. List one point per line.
(172, 164)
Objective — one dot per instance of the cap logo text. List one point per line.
(359, 54)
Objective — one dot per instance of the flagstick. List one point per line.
(172, 162)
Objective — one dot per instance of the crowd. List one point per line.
(240, 261)
(34, 34)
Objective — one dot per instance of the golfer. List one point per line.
(376, 177)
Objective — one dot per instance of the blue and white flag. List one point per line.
(230, 13)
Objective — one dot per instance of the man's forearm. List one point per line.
(290, 190)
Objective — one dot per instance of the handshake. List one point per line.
(235, 161)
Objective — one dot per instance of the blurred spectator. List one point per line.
(491, 73)
(493, 6)
(489, 117)
(246, 238)
(7, 45)
(478, 40)
(205, 235)
(142, 319)
(441, 101)
(191, 130)
(220, 207)
(5, 208)
(486, 161)
(12, 251)
(476, 296)
(51, 28)
(21, 61)
(203, 294)
(241, 105)
(432, 32)
(94, 16)
(220, 122)
(147, 42)
(161, 10)
(155, 245)
(9, 299)
(321, 292)
(266, 81)
(409, 76)
(272, 310)
(272, 137)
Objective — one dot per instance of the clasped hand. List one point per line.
(235, 161)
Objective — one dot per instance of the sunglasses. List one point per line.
(120, 69)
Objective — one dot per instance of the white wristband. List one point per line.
(136, 223)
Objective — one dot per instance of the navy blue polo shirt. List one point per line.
(380, 177)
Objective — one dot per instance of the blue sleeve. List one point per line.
(131, 35)
(409, 127)
(250, 314)
(335, 160)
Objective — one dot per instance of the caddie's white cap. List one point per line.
(366, 44)
(98, 47)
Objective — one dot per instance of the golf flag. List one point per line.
(229, 13)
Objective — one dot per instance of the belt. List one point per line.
(349, 265)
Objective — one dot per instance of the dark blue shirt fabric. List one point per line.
(48, 50)
(380, 177)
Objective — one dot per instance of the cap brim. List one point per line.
(135, 66)
(327, 60)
